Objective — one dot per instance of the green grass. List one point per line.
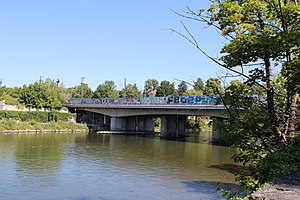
(33, 125)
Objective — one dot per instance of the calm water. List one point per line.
(111, 167)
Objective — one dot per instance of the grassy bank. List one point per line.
(38, 116)
(12, 125)
(14, 121)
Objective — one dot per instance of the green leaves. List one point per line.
(106, 90)
(166, 88)
(43, 94)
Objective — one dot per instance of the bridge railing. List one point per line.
(174, 100)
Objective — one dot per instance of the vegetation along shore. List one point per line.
(38, 122)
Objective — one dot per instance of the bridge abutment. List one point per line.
(173, 126)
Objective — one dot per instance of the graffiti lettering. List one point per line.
(203, 100)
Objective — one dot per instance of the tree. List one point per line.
(182, 88)
(130, 91)
(44, 94)
(213, 87)
(10, 95)
(77, 90)
(150, 86)
(106, 90)
(193, 92)
(199, 85)
(166, 88)
(261, 35)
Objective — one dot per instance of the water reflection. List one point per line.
(80, 166)
(161, 156)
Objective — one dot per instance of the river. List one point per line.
(111, 167)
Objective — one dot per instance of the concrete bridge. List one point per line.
(137, 114)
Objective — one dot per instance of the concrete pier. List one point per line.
(132, 124)
(216, 137)
(173, 126)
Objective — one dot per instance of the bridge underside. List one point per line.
(157, 112)
(171, 124)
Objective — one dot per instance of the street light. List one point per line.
(82, 78)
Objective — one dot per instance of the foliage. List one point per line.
(262, 36)
(198, 123)
(37, 116)
(166, 88)
(75, 92)
(213, 87)
(283, 162)
(150, 86)
(199, 85)
(44, 94)
(11, 124)
(193, 92)
(106, 90)
(9, 100)
(131, 90)
(182, 88)
(12, 92)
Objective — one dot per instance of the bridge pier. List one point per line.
(118, 124)
(216, 137)
(132, 124)
(173, 126)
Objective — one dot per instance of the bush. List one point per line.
(280, 163)
(9, 100)
(37, 116)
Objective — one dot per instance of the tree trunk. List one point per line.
(274, 118)
(270, 101)
(291, 102)
(291, 106)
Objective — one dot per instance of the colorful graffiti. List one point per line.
(200, 100)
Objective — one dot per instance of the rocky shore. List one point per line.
(284, 188)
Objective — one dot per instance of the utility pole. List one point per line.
(125, 89)
(82, 78)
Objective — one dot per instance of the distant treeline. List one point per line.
(52, 94)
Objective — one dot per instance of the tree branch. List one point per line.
(193, 41)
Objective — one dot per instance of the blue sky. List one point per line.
(102, 40)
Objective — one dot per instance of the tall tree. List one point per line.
(150, 86)
(261, 35)
(182, 88)
(44, 94)
(213, 87)
(77, 90)
(166, 88)
(131, 90)
(199, 85)
(106, 90)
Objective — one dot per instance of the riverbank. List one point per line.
(8, 132)
(33, 127)
(284, 188)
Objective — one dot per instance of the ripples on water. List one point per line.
(110, 167)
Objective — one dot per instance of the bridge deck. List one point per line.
(150, 106)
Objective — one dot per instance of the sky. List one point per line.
(103, 40)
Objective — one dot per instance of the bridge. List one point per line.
(137, 114)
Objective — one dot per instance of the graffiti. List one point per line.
(180, 100)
